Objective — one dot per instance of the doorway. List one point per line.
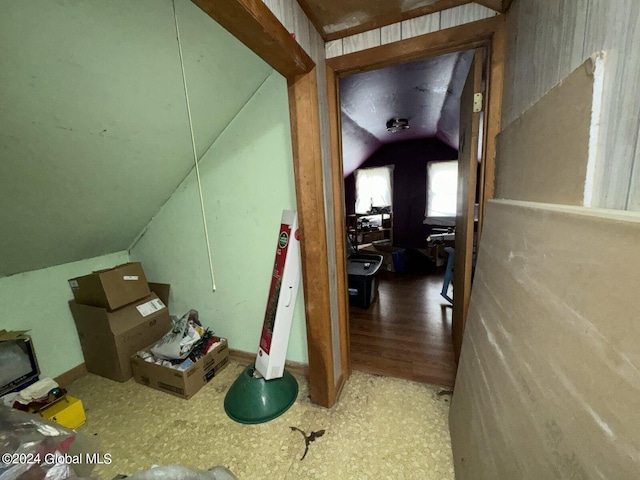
(410, 114)
(485, 35)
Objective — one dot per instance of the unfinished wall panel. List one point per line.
(542, 155)
(549, 374)
(546, 41)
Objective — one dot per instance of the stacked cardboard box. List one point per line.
(117, 313)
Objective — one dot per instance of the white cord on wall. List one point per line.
(193, 146)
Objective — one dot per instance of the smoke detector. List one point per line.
(397, 124)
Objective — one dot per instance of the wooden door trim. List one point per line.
(251, 22)
(488, 34)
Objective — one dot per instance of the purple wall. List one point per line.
(409, 185)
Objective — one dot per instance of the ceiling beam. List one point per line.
(251, 22)
(500, 6)
(381, 21)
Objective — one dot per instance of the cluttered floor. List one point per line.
(381, 428)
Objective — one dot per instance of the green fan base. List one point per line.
(253, 400)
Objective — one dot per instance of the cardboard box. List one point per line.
(109, 338)
(20, 365)
(66, 411)
(112, 288)
(386, 251)
(181, 383)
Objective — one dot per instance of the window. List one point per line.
(442, 193)
(373, 188)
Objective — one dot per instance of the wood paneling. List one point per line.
(419, 26)
(251, 22)
(464, 14)
(467, 13)
(388, 34)
(361, 41)
(547, 384)
(546, 42)
(535, 162)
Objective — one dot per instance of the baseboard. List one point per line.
(70, 376)
(245, 358)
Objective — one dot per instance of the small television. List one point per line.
(18, 360)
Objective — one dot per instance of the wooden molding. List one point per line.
(338, 216)
(500, 6)
(307, 162)
(245, 358)
(251, 22)
(488, 34)
(70, 376)
(379, 22)
(471, 35)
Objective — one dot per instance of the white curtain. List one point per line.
(373, 188)
(442, 193)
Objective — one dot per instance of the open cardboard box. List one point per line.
(181, 383)
(111, 288)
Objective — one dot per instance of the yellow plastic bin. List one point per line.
(66, 411)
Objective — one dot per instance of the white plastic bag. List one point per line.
(177, 343)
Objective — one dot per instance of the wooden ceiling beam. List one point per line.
(500, 6)
(251, 22)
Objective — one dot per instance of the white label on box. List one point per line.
(152, 306)
(130, 277)
(74, 285)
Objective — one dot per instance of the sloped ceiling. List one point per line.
(426, 92)
(94, 135)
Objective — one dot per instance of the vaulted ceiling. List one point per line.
(338, 18)
(426, 92)
(94, 134)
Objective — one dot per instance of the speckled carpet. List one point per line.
(382, 428)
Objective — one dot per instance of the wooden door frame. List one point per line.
(251, 22)
(489, 34)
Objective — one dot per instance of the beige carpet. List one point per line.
(382, 428)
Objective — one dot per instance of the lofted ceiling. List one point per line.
(339, 18)
(426, 92)
(94, 135)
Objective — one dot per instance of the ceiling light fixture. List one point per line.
(397, 124)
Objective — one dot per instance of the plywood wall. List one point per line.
(546, 41)
(452, 17)
(542, 156)
(295, 21)
(549, 374)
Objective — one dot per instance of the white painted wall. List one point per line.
(38, 300)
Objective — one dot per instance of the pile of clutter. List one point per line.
(36, 396)
(183, 345)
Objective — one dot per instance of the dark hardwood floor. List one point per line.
(406, 332)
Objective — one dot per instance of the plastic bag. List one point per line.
(178, 472)
(32, 447)
(177, 343)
